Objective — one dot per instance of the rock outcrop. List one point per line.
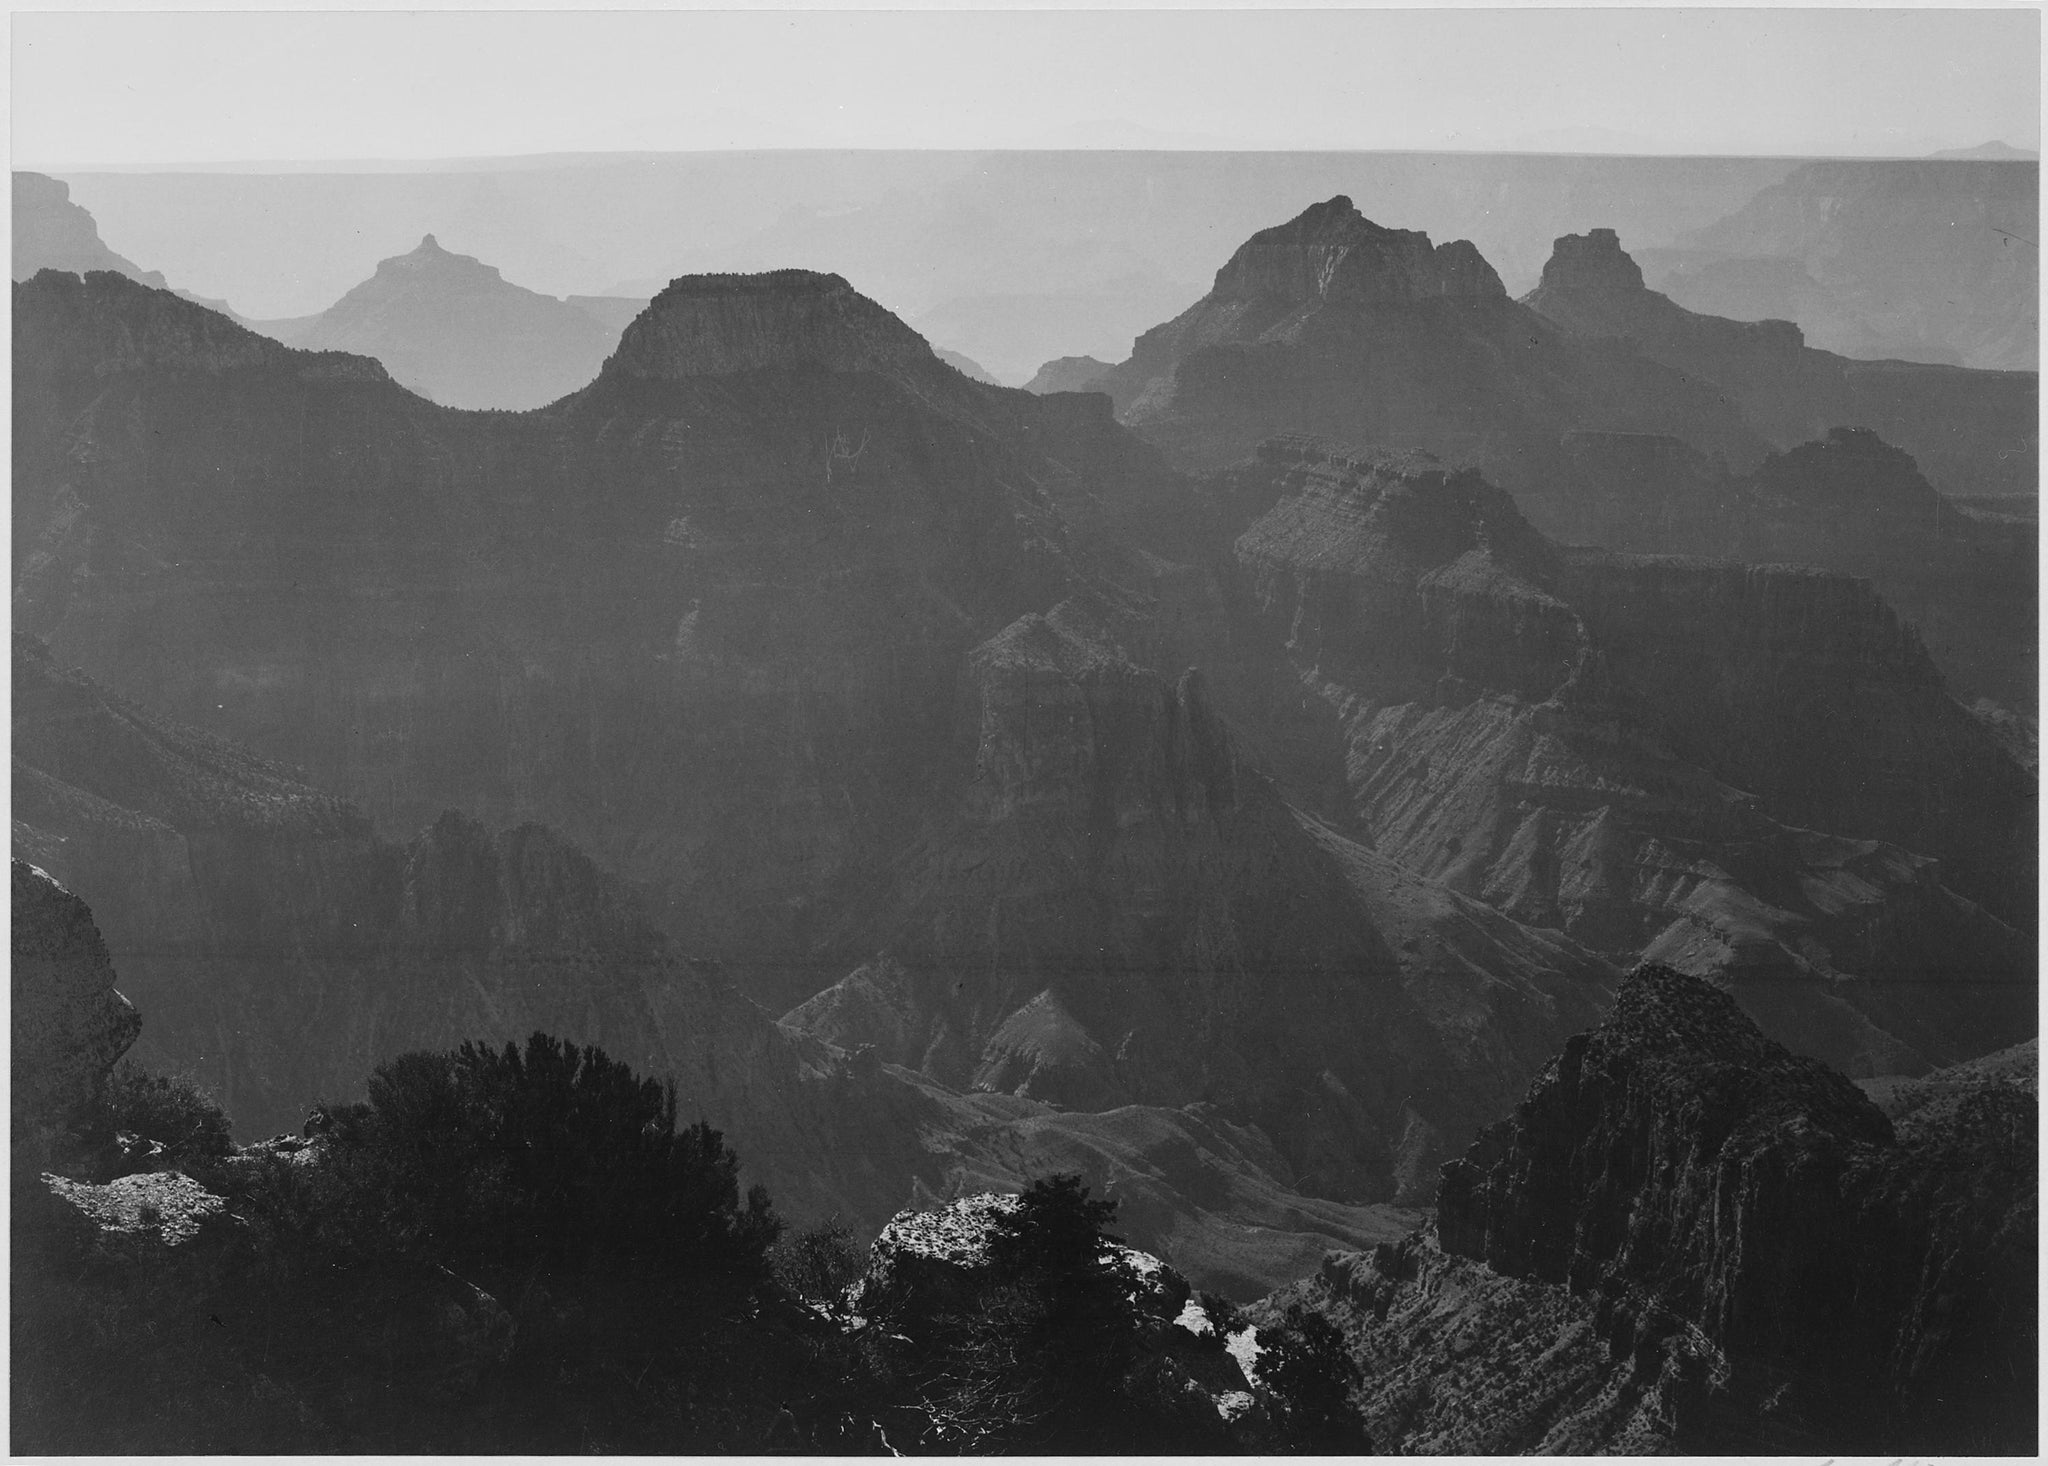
(53, 233)
(1972, 432)
(623, 618)
(761, 624)
(1123, 909)
(70, 1022)
(927, 1264)
(1587, 741)
(1848, 502)
(1069, 374)
(1332, 324)
(716, 325)
(1686, 1238)
(283, 950)
(454, 330)
(1330, 252)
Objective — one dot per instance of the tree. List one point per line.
(175, 1113)
(1039, 1359)
(553, 1159)
(1308, 1369)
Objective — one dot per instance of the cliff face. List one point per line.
(624, 619)
(70, 1024)
(1122, 909)
(1848, 502)
(1973, 432)
(760, 621)
(282, 950)
(1680, 1164)
(53, 233)
(715, 325)
(454, 330)
(1686, 1239)
(1333, 325)
(1641, 752)
(1331, 252)
(1804, 689)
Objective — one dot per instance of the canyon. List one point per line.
(1238, 777)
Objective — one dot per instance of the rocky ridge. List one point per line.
(1687, 1239)
(1872, 253)
(1331, 324)
(1972, 432)
(1069, 374)
(716, 325)
(1122, 909)
(51, 232)
(1536, 727)
(282, 949)
(774, 645)
(1848, 502)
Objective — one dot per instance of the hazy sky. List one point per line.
(156, 88)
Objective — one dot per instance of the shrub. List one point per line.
(818, 1263)
(173, 1111)
(548, 1160)
(1312, 1374)
(1041, 1359)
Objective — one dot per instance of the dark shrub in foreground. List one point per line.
(173, 1112)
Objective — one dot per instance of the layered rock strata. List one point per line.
(1686, 1238)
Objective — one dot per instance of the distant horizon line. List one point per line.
(627, 155)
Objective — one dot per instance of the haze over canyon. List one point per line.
(1459, 742)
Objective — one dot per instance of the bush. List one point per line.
(1041, 1359)
(818, 1263)
(175, 1112)
(1313, 1376)
(558, 1181)
(551, 1160)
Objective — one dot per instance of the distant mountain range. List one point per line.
(1010, 257)
(1935, 262)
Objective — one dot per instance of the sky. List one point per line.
(150, 89)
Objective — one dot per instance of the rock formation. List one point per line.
(869, 678)
(53, 233)
(1194, 1373)
(454, 330)
(625, 617)
(1123, 909)
(1849, 502)
(1972, 432)
(1069, 374)
(1687, 1239)
(1586, 740)
(967, 366)
(1331, 324)
(1870, 254)
(70, 1022)
(282, 950)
